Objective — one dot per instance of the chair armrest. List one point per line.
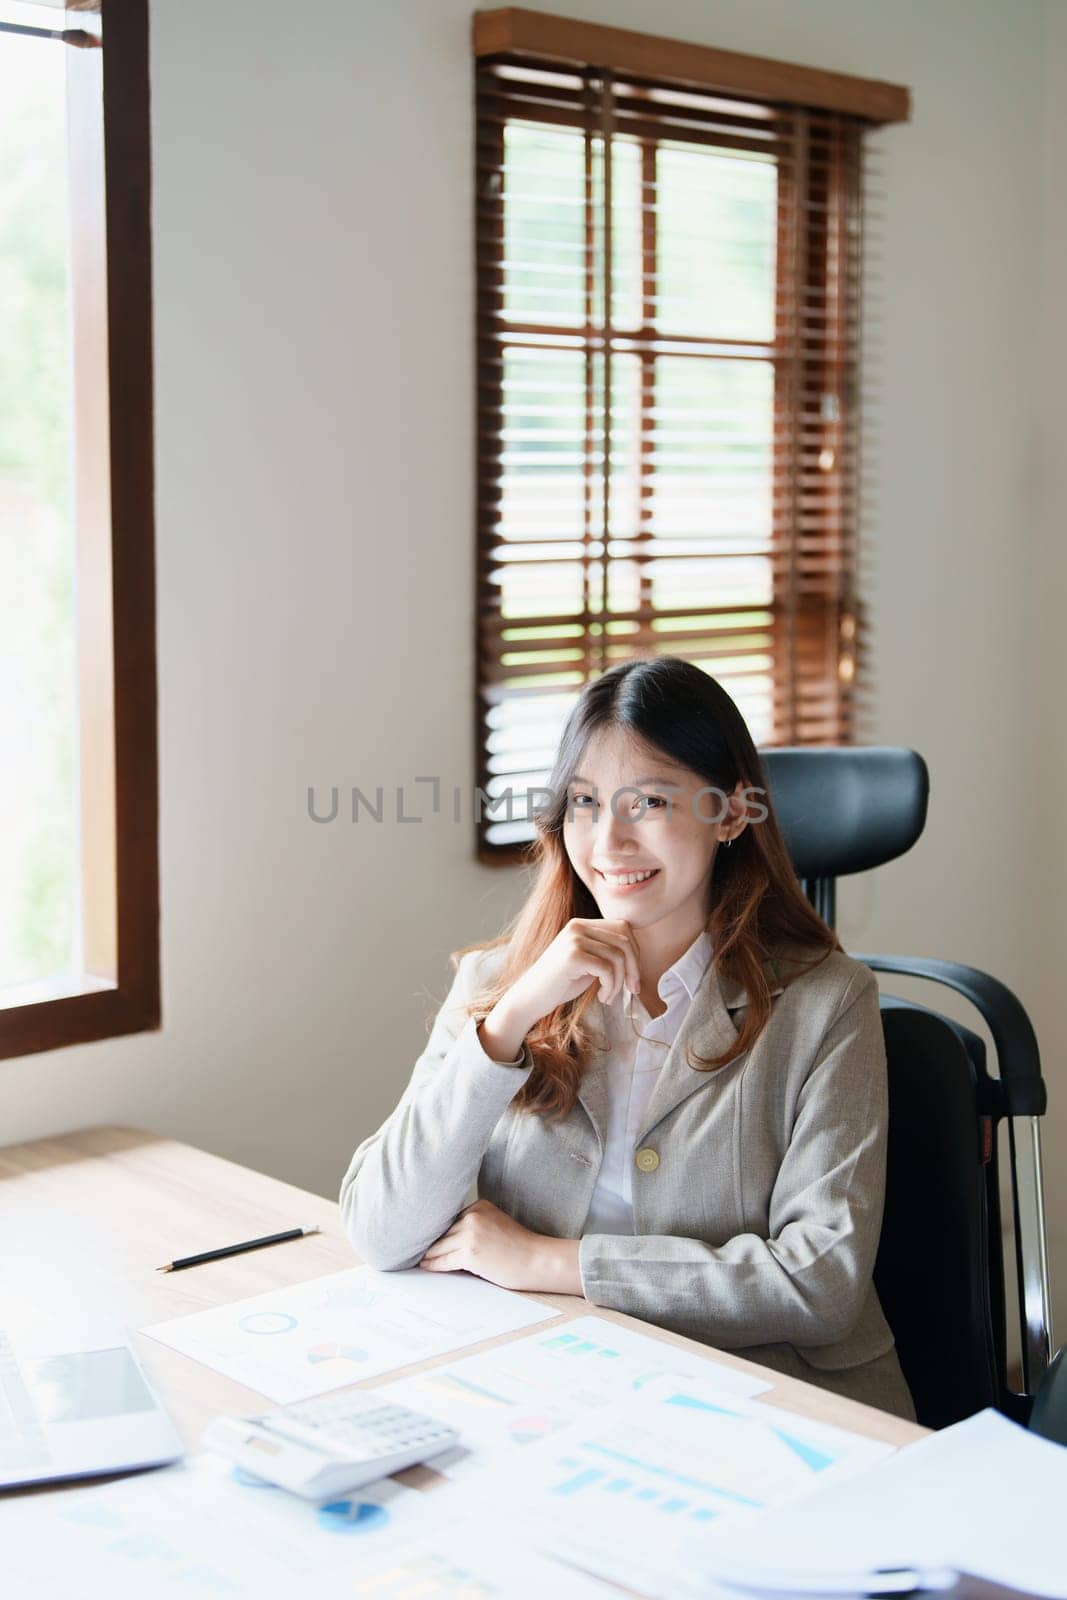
(1018, 1057)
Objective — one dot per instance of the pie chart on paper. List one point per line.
(268, 1322)
(352, 1353)
(352, 1516)
(304, 1339)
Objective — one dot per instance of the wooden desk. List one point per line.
(85, 1220)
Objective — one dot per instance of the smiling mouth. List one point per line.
(627, 880)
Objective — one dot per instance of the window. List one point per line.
(79, 956)
(668, 261)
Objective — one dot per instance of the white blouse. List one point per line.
(638, 1049)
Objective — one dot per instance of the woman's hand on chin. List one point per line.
(486, 1241)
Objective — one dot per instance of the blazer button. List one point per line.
(647, 1160)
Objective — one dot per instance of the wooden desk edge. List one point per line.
(122, 1147)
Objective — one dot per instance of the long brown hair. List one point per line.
(756, 905)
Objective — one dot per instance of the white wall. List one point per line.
(313, 301)
(1037, 813)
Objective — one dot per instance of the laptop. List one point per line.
(76, 1409)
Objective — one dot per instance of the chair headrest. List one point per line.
(848, 808)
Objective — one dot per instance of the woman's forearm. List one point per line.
(407, 1182)
(806, 1287)
(503, 1031)
(554, 1268)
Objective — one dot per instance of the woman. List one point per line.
(666, 1083)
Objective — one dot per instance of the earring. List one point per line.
(728, 843)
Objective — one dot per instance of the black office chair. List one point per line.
(940, 1267)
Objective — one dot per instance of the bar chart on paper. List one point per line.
(617, 1492)
(524, 1391)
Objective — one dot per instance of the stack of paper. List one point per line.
(623, 1494)
(623, 1457)
(983, 1497)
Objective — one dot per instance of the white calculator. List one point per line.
(319, 1448)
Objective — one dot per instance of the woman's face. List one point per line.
(630, 812)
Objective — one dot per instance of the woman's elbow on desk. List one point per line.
(823, 1313)
(385, 1262)
(376, 1244)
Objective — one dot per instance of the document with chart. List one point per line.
(290, 1344)
(625, 1494)
(520, 1392)
(202, 1528)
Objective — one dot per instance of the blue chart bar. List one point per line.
(817, 1460)
(673, 1504)
(682, 1480)
(574, 1346)
(581, 1480)
(698, 1405)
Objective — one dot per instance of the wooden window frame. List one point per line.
(820, 611)
(513, 30)
(110, 222)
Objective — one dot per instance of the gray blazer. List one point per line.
(757, 1215)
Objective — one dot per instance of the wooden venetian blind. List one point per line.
(669, 269)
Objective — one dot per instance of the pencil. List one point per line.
(235, 1249)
